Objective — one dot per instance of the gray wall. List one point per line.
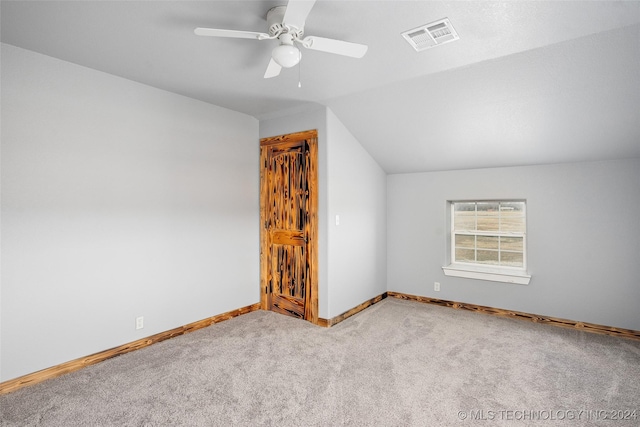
(118, 201)
(582, 228)
(358, 245)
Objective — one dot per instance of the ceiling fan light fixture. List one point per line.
(286, 55)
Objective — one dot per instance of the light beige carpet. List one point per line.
(398, 363)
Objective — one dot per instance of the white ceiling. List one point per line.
(529, 82)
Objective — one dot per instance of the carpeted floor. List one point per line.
(398, 363)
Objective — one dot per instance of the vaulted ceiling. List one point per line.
(529, 82)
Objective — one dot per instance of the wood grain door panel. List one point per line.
(288, 213)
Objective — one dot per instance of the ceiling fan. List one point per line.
(286, 23)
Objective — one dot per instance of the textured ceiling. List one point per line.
(528, 82)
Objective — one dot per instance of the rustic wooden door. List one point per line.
(288, 230)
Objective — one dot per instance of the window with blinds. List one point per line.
(489, 233)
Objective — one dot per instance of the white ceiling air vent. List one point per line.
(430, 35)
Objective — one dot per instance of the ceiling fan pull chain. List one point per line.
(299, 67)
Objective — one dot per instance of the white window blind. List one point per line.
(489, 233)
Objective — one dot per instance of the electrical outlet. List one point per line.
(436, 286)
(139, 322)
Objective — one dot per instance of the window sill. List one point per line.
(487, 273)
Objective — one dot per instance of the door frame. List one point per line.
(311, 294)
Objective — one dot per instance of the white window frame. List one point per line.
(494, 273)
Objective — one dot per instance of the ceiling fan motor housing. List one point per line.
(275, 17)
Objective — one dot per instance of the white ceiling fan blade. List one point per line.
(273, 69)
(297, 12)
(214, 32)
(339, 47)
